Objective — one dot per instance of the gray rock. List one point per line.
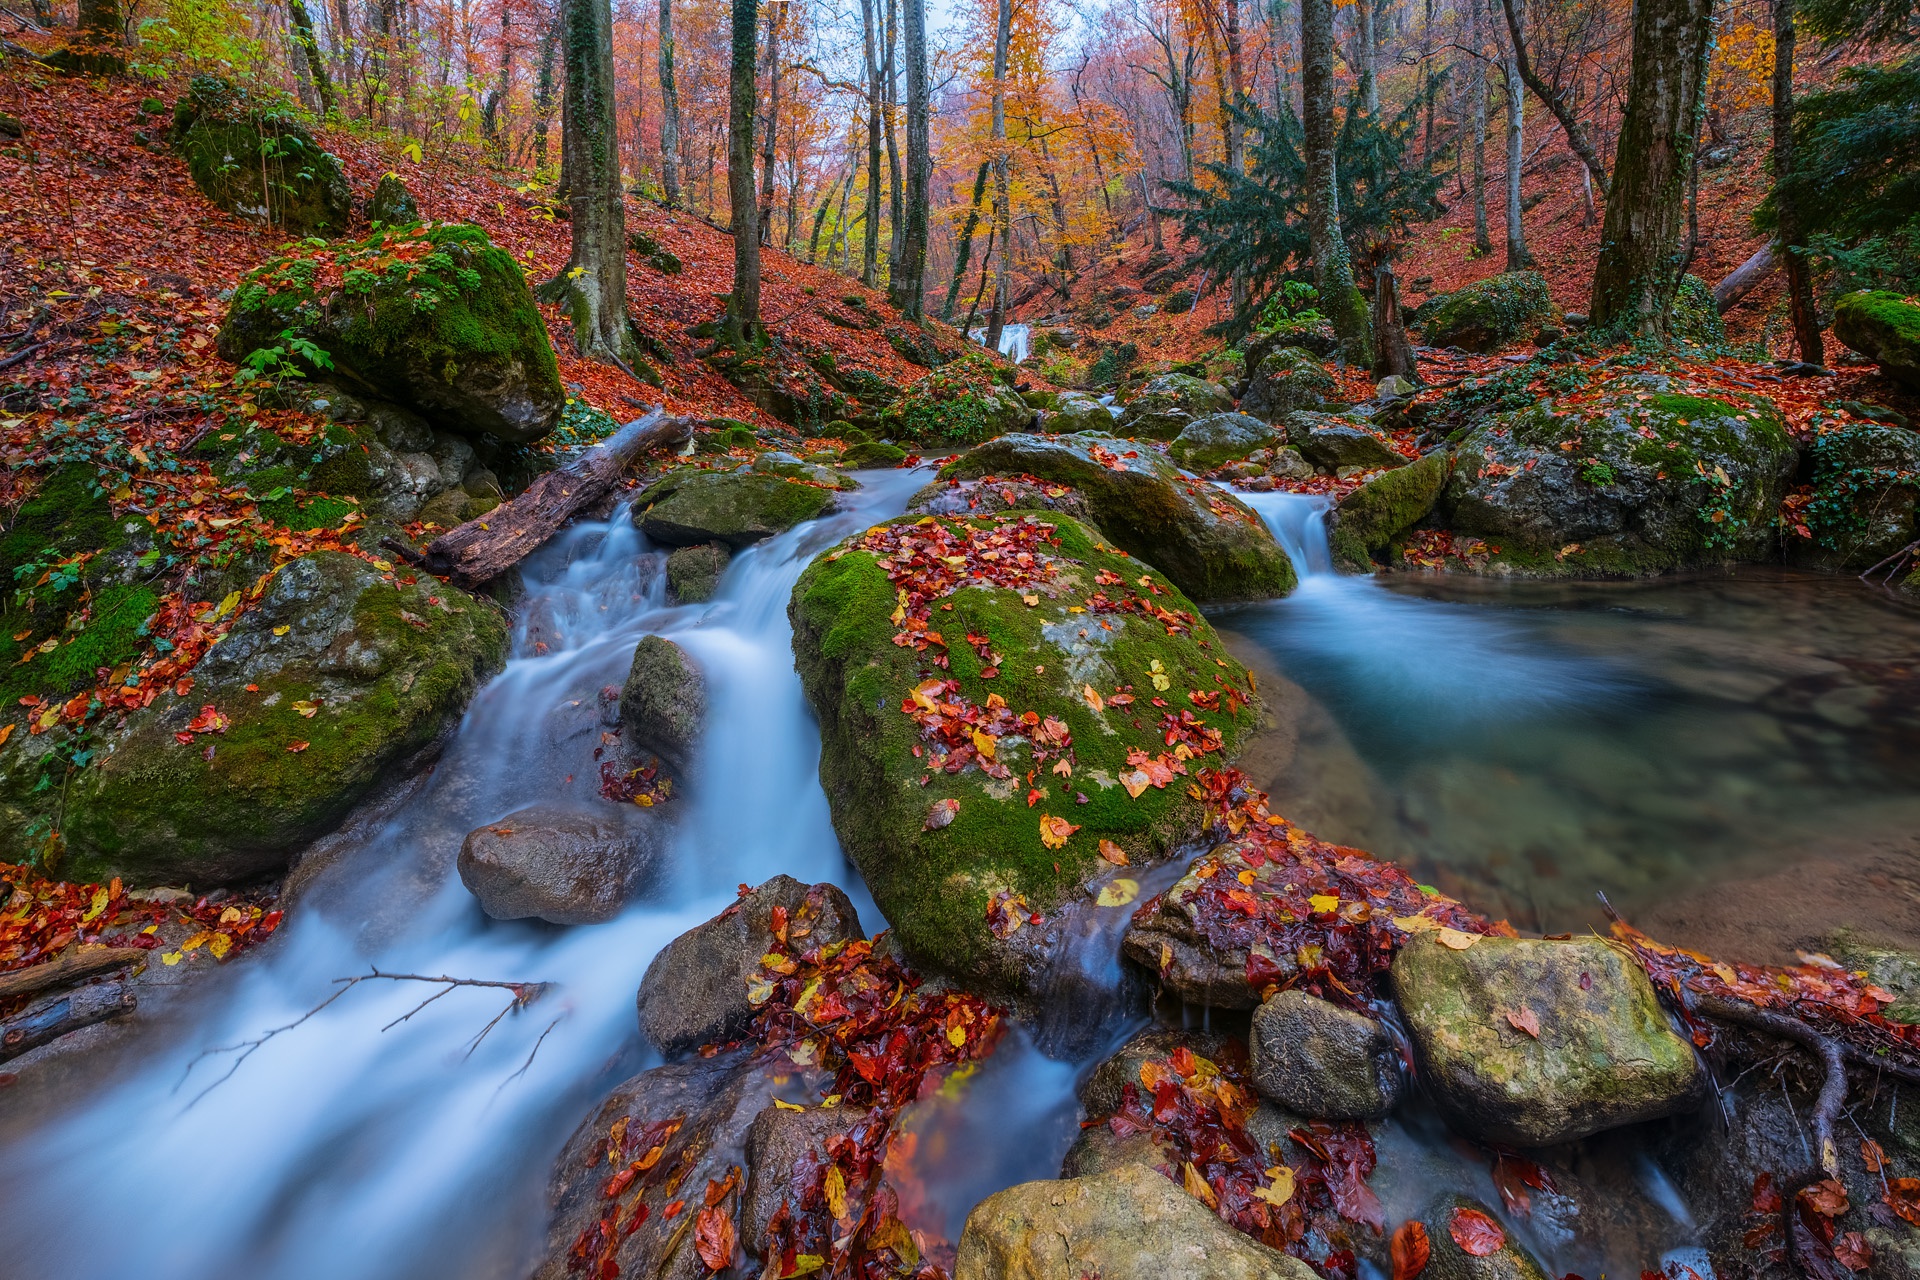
(693, 573)
(1287, 379)
(1385, 507)
(391, 204)
(776, 463)
(1863, 481)
(1604, 1055)
(1129, 1224)
(1163, 407)
(1322, 1061)
(1289, 464)
(1487, 314)
(1448, 1261)
(777, 1142)
(987, 495)
(1099, 1150)
(695, 991)
(739, 508)
(565, 866)
(1077, 411)
(663, 703)
(1207, 442)
(1394, 387)
(1335, 442)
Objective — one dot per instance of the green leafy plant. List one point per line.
(1598, 473)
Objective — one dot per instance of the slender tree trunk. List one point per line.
(768, 147)
(819, 222)
(1369, 69)
(890, 84)
(1641, 240)
(594, 285)
(986, 264)
(909, 276)
(1002, 194)
(963, 247)
(669, 112)
(502, 85)
(1477, 93)
(743, 304)
(343, 45)
(870, 252)
(543, 93)
(1332, 269)
(1236, 137)
(1518, 259)
(1806, 321)
(1556, 103)
(310, 48)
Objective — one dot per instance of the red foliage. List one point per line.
(1475, 1232)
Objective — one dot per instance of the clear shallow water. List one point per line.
(1527, 745)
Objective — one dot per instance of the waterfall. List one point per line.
(1014, 339)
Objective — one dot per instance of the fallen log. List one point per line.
(479, 551)
(69, 1013)
(82, 962)
(1746, 277)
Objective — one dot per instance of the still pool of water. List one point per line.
(1529, 745)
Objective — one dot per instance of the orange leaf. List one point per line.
(1476, 1233)
(1054, 831)
(1108, 849)
(296, 747)
(713, 1237)
(1525, 1020)
(1410, 1250)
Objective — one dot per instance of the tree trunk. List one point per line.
(479, 551)
(303, 36)
(102, 22)
(1641, 237)
(963, 248)
(1792, 240)
(1002, 196)
(80, 963)
(1396, 353)
(669, 112)
(870, 251)
(1477, 95)
(1332, 270)
(1746, 277)
(1236, 138)
(743, 304)
(543, 93)
(909, 276)
(1556, 103)
(768, 147)
(502, 85)
(81, 1008)
(1518, 259)
(343, 45)
(1369, 69)
(593, 288)
(890, 86)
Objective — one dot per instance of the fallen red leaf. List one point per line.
(1476, 1233)
(1410, 1250)
(713, 1237)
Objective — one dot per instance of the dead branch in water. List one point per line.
(524, 994)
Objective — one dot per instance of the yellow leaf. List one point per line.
(1323, 902)
(95, 906)
(1093, 697)
(836, 1188)
(805, 1264)
(983, 743)
(280, 631)
(1282, 1189)
(900, 610)
(1197, 1186)
(957, 1036)
(306, 708)
(220, 944)
(1054, 831)
(783, 1105)
(1456, 939)
(1415, 924)
(1135, 782)
(170, 958)
(759, 991)
(1119, 892)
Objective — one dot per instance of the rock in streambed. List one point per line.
(1323, 1061)
(564, 866)
(689, 507)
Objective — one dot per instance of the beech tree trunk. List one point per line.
(772, 136)
(963, 248)
(302, 23)
(1556, 102)
(1792, 237)
(543, 93)
(1518, 259)
(890, 100)
(909, 275)
(1332, 269)
(1477, 95)
(870, 250)
(743, 304)
(669, 112)
(1368, 71)
(1643, 240)
(593, 287)
(1002, 196)
(1396, 353)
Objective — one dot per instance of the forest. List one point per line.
(1007, 640)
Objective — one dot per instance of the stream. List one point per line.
(1525, 745)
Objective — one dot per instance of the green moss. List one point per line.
(935, 886)
(872, 453)
(958, 403)
(250, 155)
(1385, 507)
(1490, 313)
(1696, 317)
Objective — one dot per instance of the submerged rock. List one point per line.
(1208, 542)
(696, 990)
(254, 158)
(564, 866)
(1286, 380)
(1490, 1251)
(1885, 328)
(1383, 508)
(1322, 1061)
(693, 573)
(1129, 1224)
(432, 317)
(1162, 408)
(1533, 1042)
(1217, 438)
(1656, 478)
(1488, 314)
(663, 703)
(334, 681)
(738, 508)
(1053, 650)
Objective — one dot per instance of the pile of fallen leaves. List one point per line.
(933, 558)
(41, 919)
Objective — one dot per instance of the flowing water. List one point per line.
(1013, 340)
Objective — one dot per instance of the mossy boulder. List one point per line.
(431, 317)
(738, 508)
(963, 402)
(981, 869)
(663, 703)
(1077, 411)
(1535, 1041)
(251, 156)
(391, 204)
(871, 455)
(1488, 314)
(1885, 328)
(1865, 481)
(1287, 379)
(1219, 438)
(1162, 408)
(1335, 441)
(1383, 508)
(1209, 542)
(1641, 476)
(365, 671)
(693, 573)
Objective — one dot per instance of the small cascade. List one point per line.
(1015, 340)
(1299, 525)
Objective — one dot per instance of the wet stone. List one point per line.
(1454, 1219)
(560, 865)
(1323, 1061)
(663, 703)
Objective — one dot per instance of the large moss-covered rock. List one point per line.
(1335, 441)
(366, 671)
(1128, 1224)
(1287, 379)
(1208, 542)
(1218, 438)
(1885, 328)
(1077, 411)
(391, 204)
(1488, 314)
(973, 862)
(663, 703)
(738, 508)
(432, 317)
(1385, 507)
(1533, 1041)
(962, 402)
(1162, 409)
(693, 573)
(1865, 480)
(1644, 476)
(254, 158)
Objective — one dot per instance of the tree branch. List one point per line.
(1556, 103)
